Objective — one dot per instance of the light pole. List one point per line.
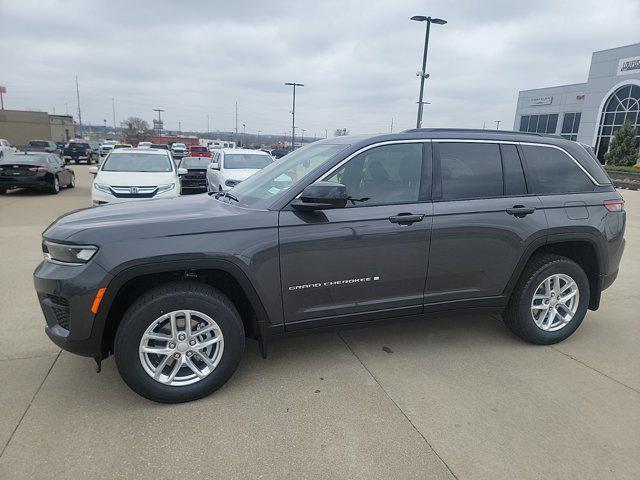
(159, 110)
(498, 124)
(293, 112)
(244, 132)
(302, 139)
(259, 144)
(423, 74)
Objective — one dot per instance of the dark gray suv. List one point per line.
(350, 230)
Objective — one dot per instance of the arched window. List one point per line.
(622, 106)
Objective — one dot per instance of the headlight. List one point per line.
(231, 183)
(102, 187)
(68, 254)
(166, 188)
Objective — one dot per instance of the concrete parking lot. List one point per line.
(447, 398)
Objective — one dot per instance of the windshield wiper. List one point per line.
(224, 194)
(354, 200)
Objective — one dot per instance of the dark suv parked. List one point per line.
(349, 230)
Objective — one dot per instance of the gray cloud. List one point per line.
(357, 58)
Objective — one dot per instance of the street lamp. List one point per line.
(293, 112)
(423, 74)
(244, 131)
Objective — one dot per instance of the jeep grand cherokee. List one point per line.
(344, 231)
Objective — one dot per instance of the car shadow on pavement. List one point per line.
(288, 357)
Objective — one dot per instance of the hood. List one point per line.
(135, 179)
(155, 218)
(239, 173)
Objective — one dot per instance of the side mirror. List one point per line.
(182, 171)
(321, 196)
(93, 170)
(214, 166)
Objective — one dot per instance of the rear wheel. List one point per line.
(54, 189)
(550, 300)
(72, 182)
(3, 190)
(179, 342)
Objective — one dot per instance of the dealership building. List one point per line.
(589, 112)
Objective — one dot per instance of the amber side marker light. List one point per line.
(98, 298)
(614, 205)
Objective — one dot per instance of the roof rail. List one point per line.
(472, 130)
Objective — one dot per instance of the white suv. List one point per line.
(230, 166)
(179, 150)
(135, 174)
(5, 147)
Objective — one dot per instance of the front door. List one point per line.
(369, 259)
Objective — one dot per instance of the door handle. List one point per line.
(406, 218)
(520, 211)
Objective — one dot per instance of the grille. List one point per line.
(60, 307)
(134, 192)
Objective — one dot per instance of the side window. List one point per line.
(470, 170)
(550, 170)
(514, 183)
(383, 175)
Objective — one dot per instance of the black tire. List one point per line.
(518, 316)
(159, 301)
(54, 189)
(72, 182)
(3, 191)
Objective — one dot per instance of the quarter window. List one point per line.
(382, 175)
(550, 170)
(470, 170)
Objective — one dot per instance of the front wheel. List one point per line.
(179, 342)
(72, 182)
(549, 301)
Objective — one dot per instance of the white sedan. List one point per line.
(129, 174)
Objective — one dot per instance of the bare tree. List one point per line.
(341, 132)
(135, 125)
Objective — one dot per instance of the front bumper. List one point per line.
(98, 197)
(66, 294)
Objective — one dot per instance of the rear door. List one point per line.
(484, 219)
(369, 259)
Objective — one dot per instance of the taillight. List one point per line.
(38, 169)
(614, 205)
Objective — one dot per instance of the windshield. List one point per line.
(246, 160)
(78, 145)
(260, 189)
(137, 162)
(199, 149)
(195, 162)
(36, 143)
(178, 145)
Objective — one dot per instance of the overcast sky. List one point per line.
(358, 59)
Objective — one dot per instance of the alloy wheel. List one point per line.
(555, 302)
(181, 347)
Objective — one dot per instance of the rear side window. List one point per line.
(550, 170)
(470, 170)
(514, 183)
